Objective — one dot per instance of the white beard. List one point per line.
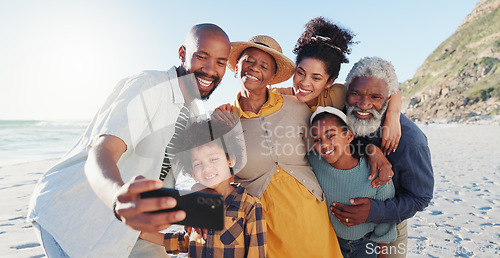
(365, 127)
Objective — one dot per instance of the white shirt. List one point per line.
(142, 111)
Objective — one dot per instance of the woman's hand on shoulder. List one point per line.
(391, 133)
(391, 130)
(224, 113)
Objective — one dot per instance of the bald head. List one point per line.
(203, 29)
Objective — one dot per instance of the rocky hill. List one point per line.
(460, 80)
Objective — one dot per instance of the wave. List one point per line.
(43, 124)
(62, 124)
(22, 140)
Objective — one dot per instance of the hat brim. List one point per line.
(286, 67)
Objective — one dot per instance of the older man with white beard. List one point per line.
(370, 83)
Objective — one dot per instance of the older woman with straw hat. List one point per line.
(277, 139)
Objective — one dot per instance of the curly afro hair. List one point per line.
(228, 137)
(324, 41)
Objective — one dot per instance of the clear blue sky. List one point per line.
(60, 59)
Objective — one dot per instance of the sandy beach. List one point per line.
(463, 219)
(17, 237)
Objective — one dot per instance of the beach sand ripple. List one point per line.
(17, 237)
(463, 218)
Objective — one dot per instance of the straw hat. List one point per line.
(286, 67)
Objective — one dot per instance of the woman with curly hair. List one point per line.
(320, 50)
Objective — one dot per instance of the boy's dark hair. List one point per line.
(324, 41)
(357, 146)
(203, 132)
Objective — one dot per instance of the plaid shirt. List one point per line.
(244, 233)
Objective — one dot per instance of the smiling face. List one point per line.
(310, 80)
(256, 69)
(331, 141)
(367, 100)
(210, 166)
(205, 55)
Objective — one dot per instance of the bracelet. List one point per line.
(114, 211)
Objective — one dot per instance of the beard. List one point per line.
(206, 97)
(216, 81)
(365, 127)
(191, 84)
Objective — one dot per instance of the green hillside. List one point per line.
(460, 80)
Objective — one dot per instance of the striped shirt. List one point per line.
(244, 233)
(180, 124)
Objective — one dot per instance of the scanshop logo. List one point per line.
(433, 249)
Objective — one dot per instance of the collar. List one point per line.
(176, 89)
(235, 197)
(274, 103)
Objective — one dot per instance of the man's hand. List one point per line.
(352, 215)
(378, 162)
(133, 210)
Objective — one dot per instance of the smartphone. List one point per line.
(203, 210)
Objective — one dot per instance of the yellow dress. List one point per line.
(298, 224)
(286, 201)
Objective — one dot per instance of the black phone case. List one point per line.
(203, 210)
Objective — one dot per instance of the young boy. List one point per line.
(342, 172)
(210, 151)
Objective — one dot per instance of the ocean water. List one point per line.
(32, 140)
